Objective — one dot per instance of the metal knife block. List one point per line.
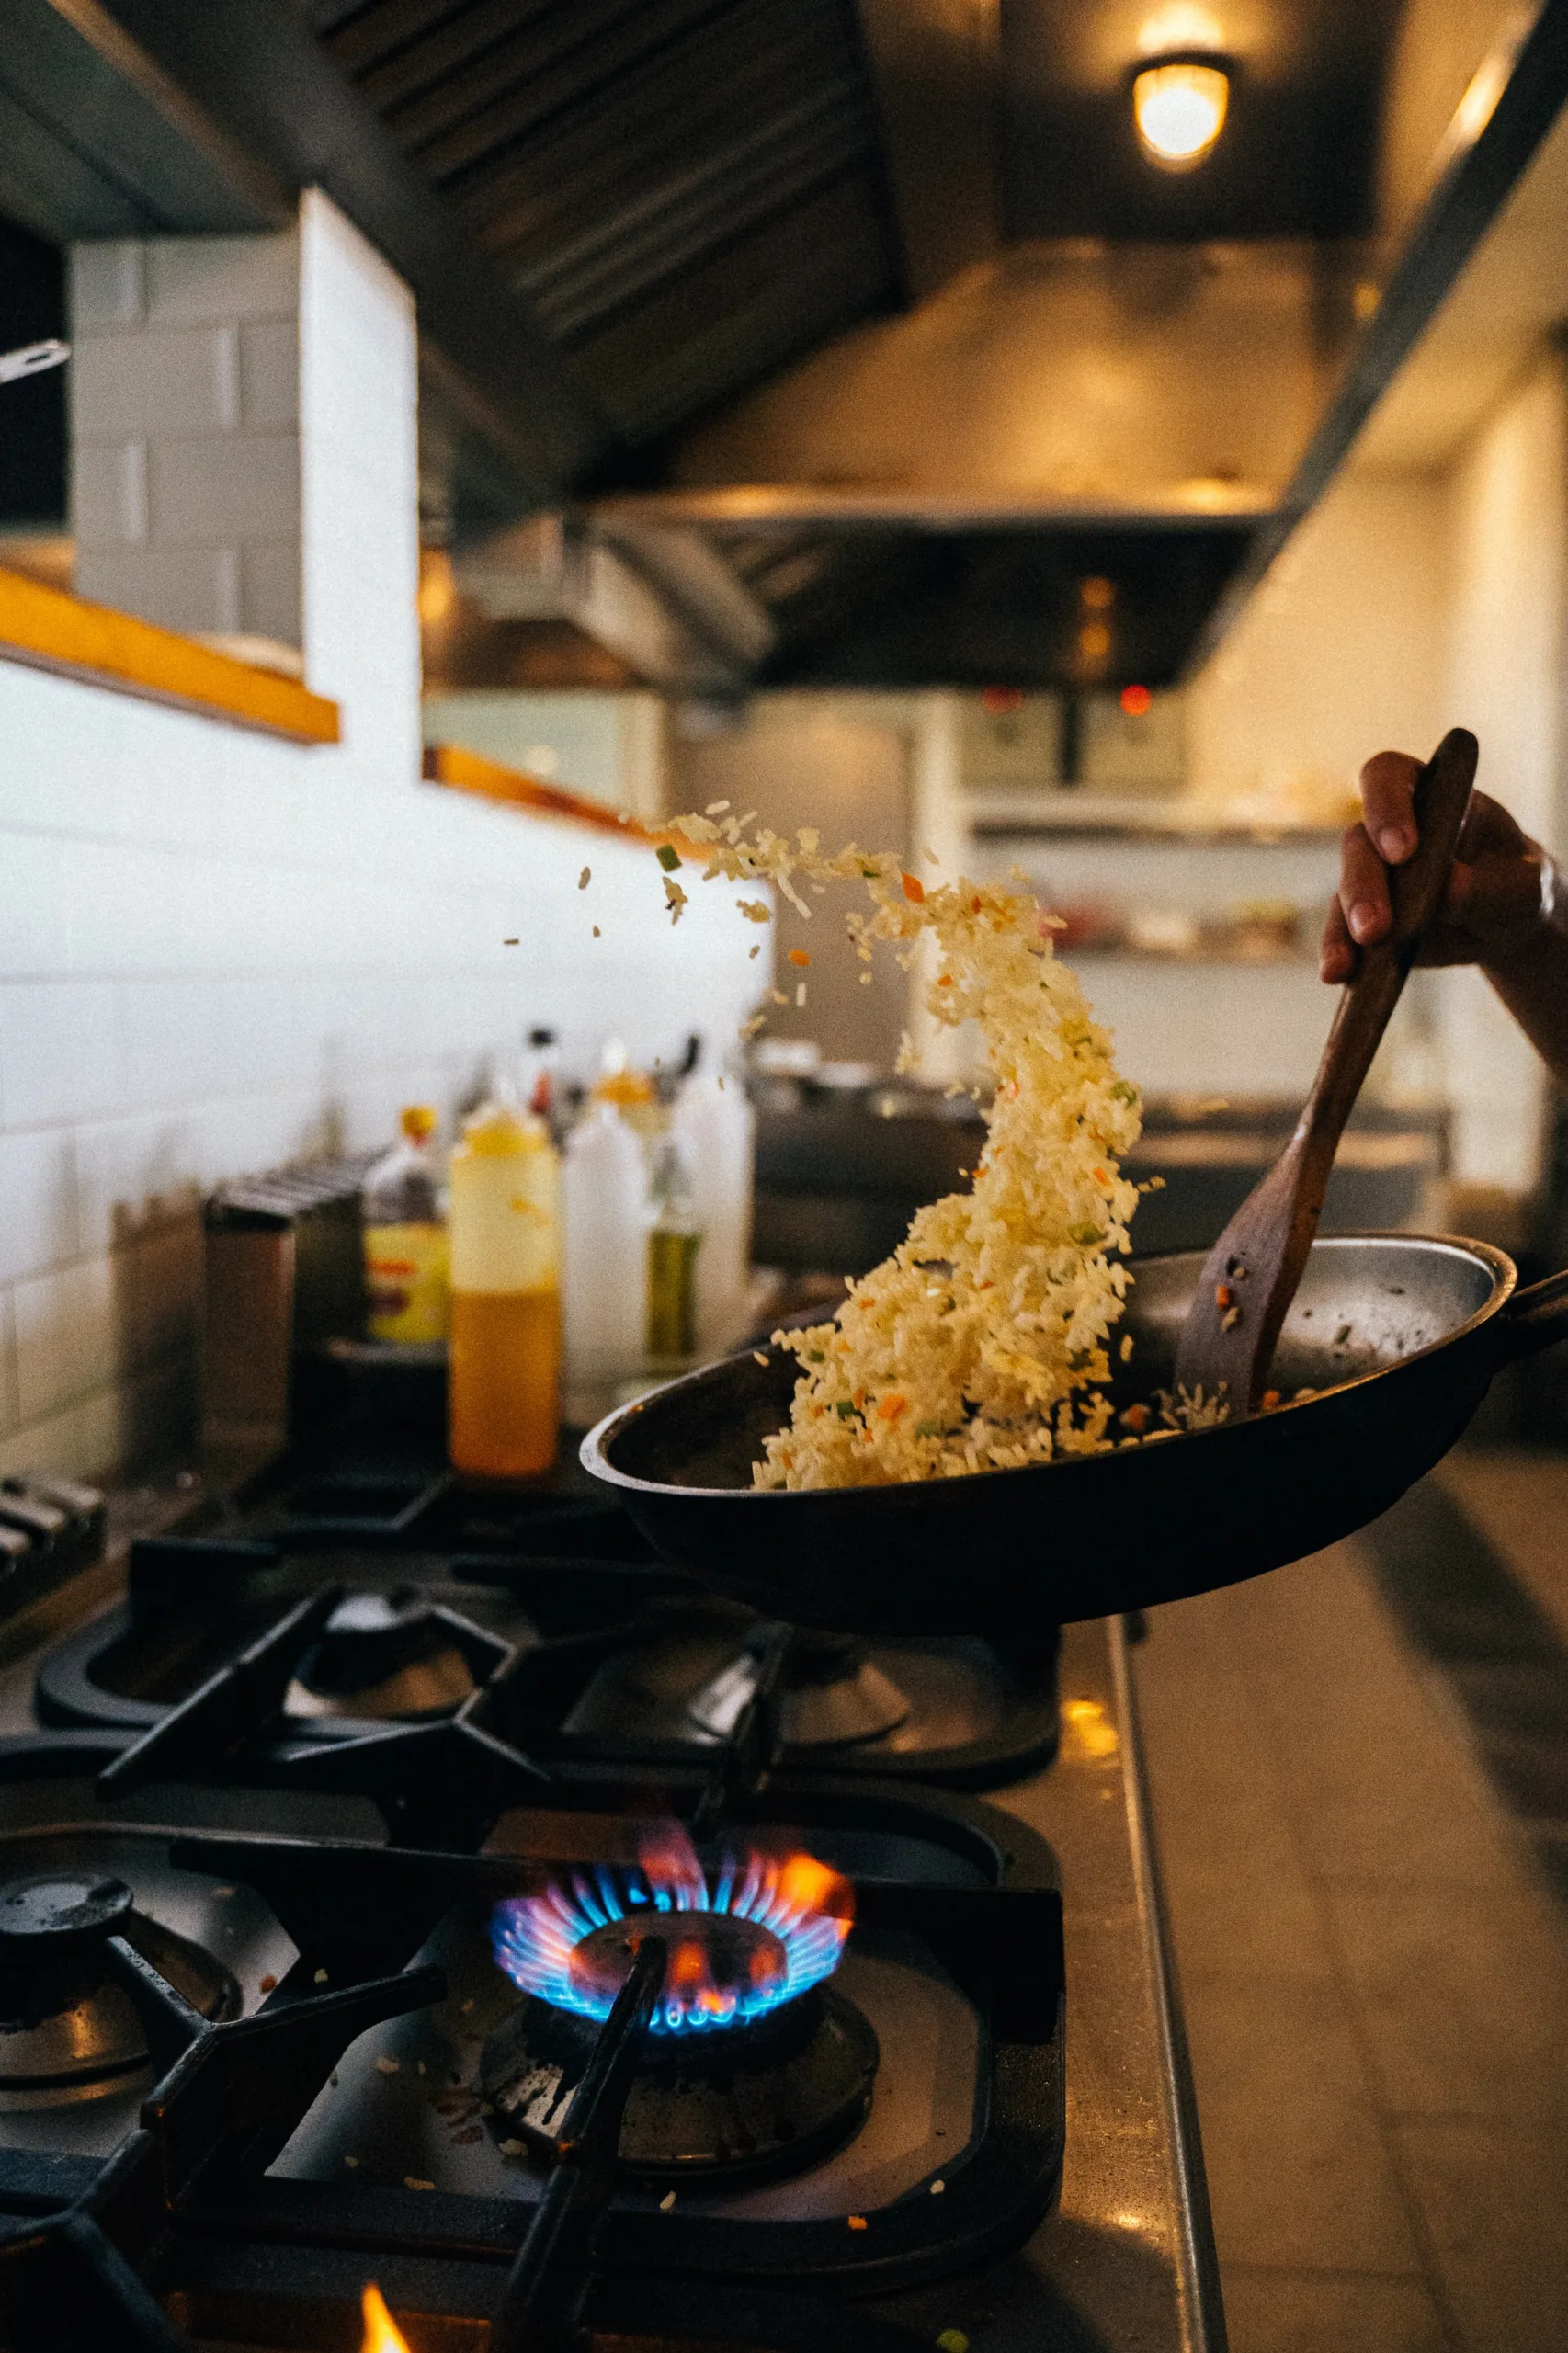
(285, 1274)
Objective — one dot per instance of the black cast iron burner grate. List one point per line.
(556, 1659)
(185, 2213)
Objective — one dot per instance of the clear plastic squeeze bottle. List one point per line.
(504, 1232)
(603, 1183)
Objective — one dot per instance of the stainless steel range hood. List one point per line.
(845, 339)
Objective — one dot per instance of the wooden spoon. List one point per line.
(1250, 1276)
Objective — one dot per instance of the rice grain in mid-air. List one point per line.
(982, 1342)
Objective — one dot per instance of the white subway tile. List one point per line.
(68, 1334)
(119, 904)
(221, 277)
(82, 1442)
(269, 374)
(32, 907)
(7, 1364)
(62, 742)
(106, 285)
(39, 1221)
(167, 381)
(178, 588)
(245, 486)
(108, 497)
(269, 590)
(173, 1044)
(271, 949)
(59, 1051)
(137, 1175)
(170, 765)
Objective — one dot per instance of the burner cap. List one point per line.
(68, 2031)
(739, 2103)
(51, 1916)
(831, 1695)
(381, 1655)
(717, 1953)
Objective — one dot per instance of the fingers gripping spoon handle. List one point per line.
(1252, 1272)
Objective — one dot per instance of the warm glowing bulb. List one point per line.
(383, 2333)
(1180, 109)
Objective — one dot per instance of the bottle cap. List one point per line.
(419, 1120)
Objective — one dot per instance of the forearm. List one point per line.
(1531, 978)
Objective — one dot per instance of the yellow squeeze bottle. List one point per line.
(503, 1227)
(406, 1236)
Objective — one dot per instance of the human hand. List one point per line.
(1500, 886)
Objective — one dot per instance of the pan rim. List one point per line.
(1504, 1283)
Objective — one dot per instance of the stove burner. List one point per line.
(381, 1655)
(761, 2099)
(50, 1916)
(709, 1952)
(68, 2032)
(760, 1935)
(831, 1695)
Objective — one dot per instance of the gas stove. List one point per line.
(422, 1889)
(341, 1602)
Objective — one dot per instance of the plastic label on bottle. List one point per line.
(405, 1275)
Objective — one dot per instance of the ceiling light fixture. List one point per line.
(1179, 104)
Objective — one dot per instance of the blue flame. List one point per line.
(534, 1937)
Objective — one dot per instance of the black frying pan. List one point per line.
(1400, 1335)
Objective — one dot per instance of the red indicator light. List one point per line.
(1135, 700)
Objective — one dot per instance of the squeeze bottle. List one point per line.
(405, 1235)
(675, 1238)
(506, 1277)
(604, 1184)
(715, 1129)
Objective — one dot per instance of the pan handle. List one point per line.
(1533, 1319)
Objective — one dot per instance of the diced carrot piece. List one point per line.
(914, 889)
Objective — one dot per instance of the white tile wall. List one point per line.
(217, 950)
(185, 435)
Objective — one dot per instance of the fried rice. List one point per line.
(984, 1341)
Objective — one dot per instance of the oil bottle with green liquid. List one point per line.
(673, 1240)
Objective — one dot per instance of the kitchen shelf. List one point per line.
(1203, 956)
(1059, 813)
(48, 629)
(1091, 828)
(465, 771)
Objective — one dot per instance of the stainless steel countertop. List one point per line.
(1126, 2262)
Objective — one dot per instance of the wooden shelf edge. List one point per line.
(45, 629)
(465, 771)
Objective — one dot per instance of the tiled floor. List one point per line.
(1373, 1947)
